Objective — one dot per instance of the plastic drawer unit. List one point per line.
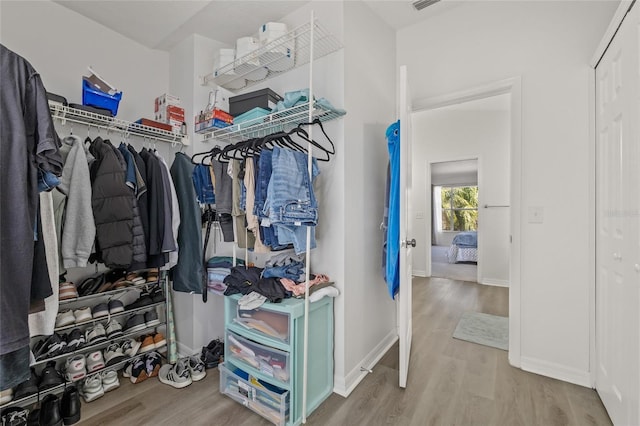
(269, 361)
(267, 400)
(266, 345)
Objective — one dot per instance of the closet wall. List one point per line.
(549, 44)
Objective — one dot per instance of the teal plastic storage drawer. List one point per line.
(267, 400)
(264, 322)
(270, 362)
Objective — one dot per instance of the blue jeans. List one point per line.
(203, 185)
(293, 271)
(263, 170)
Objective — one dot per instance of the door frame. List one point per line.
(429, 207)
(511, 86)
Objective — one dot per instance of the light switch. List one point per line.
(536, 214)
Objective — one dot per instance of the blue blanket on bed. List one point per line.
(466, 239)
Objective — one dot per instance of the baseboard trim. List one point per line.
(494, 282)
(419, 273)
(343, 386)
(556, 371)
(184, 350)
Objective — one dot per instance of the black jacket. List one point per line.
(112, 202)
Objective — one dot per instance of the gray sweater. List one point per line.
(78, 227)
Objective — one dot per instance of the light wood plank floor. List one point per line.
(452, 382)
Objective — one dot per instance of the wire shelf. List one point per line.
(272, 123)
(99, 121)
(283, 54)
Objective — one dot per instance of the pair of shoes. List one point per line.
(77, 316)
(14, 416)
(114, 354)
(145, 299)
(143, 367)
(156, 293)
(130, 347)
(212, 354)
(95, 334)
(69, 406)
(67, 291)
(152, 341)
(139, 322)
(101, 310)
(152, 275)
(114, 329)
(183, 372)
(75, 340)
(95, 386)
(50, 347)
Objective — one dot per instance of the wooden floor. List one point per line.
(452, 382)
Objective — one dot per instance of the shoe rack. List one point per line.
(89, 301)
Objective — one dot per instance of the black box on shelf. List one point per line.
(265, 98)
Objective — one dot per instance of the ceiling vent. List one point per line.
(421, 4)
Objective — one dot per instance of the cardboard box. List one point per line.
(170, 112)
(162, 101)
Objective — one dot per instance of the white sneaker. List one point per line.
(113, 354)
(176, 375)
(92, 388)
(82, 314)
(114, 329)
(130, 347)
(65, 318)
(96, 334)
(109, 380)
(95, 361)
(196, 368)
(75, 368)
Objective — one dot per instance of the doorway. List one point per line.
(454, 219)
(503, 203)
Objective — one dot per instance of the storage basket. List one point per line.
(96, 98)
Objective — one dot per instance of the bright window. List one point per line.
(459, 209)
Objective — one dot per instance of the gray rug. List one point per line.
(485, 329)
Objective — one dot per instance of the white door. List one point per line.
(406, 237)
(617, 230)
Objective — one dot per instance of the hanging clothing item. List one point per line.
(143, 204)
(78, 230)
(393, 229)
(175, 216)
(203, 184)
(385, 222)
(253, 223)
(29, 143)
(168, 242)
(43, 323)
(223, 193)
(131, 178)
(156, 208)
(187, 274)
(244, 238)
(112, 202)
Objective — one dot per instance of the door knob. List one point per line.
(405, 243)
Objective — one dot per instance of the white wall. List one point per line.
(61, 44)
(549, 44)
(448, 135)
(369, 312)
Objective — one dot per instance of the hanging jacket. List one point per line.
(112, 202)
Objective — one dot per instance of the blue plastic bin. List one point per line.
(96, 98)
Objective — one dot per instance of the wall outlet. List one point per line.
(536, 214)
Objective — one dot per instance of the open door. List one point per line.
(406, 237)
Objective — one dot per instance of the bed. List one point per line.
(464, 248)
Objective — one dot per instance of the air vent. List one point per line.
(421, 4)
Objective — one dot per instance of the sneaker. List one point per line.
(65, 318)
(75, 340)
(136, 370)
(176, 375)
(100, 310)
(159, 340)
(152, 275)
(82, 314)
(52, 347)
(130, 347)
(153, 362)
(109, 380)
(95, 361)
(113, 354)
(196, 368)
(114, 329)
(67, 291)
(115, 306)
(151, 318)
(212, 354)
(147, 343)
(6, 396)
(29, 387)
(96, 334)
(50, 377)
(157, 295)
(75, 368)
(92, 388)
(143, 300)
(15, 416)
(135, 323)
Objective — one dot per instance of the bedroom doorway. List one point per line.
(454, 219)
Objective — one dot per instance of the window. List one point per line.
(459, 208)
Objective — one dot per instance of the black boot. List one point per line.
(71, 405)
(50, 411)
